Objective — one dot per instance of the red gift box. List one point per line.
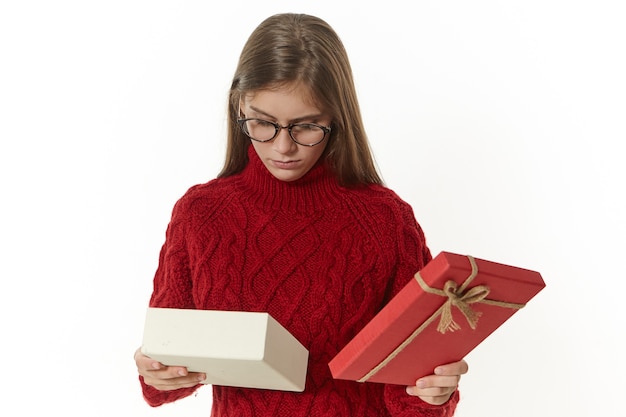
(450, 307)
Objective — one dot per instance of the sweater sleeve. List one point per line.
(172, 284)
(172, 288)
(401, 404)
(412, 255)
(412, 252)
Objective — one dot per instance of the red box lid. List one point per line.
(403, 343)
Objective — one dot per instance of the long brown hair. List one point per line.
(298, 48)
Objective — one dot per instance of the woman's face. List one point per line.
(285, 159)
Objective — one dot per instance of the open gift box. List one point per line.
(233, 348)
(450, 307)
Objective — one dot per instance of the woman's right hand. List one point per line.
(165, 378)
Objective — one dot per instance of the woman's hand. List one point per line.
(165, 378)
(436, 389)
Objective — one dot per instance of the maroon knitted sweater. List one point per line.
(320, 258)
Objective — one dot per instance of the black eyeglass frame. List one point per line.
(278, 128)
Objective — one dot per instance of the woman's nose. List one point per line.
(283, 142)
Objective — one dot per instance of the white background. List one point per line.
(501, 123)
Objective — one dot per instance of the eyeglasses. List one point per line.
(305, 134)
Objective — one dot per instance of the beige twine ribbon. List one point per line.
(457, 297)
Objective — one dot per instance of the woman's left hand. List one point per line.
(436, 389)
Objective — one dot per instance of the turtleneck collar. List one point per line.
(316, 190)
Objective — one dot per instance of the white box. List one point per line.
(233, 348)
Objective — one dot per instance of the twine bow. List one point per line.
(457, 297)
(461, 301)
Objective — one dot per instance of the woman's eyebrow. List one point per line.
(307, 117)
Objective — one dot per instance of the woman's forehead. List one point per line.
(294, 89)
(284, 101)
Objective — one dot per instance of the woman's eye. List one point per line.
(262, 123)
(305, 127)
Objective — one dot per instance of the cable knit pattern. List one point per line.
(320, 258)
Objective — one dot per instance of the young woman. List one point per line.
(297, 224)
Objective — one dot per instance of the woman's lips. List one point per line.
(285, 164)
